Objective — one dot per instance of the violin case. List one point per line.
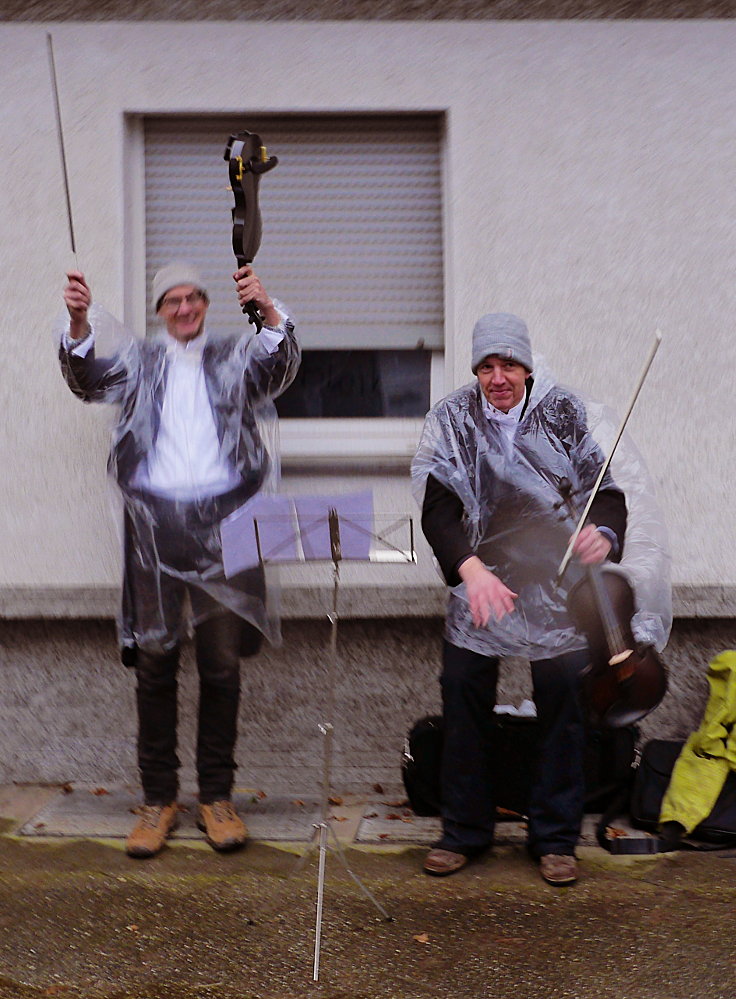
(608, 761)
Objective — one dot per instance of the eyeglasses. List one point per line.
(174, 303)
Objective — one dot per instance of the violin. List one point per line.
(623, 681)
(247, 159)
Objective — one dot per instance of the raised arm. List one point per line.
(273, 356)
(77, 298)
(91, 378)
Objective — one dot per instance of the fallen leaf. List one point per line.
(99, 791)
(371, 815)
(339, 818)
(261, 795)
(615, 833)
(133, 927)
(406, 818)
(335, 800)
(378, 789)
(67, 788)
(396, 804)
(383, 835)
(298, 802)
(40, 825)
(421, 937)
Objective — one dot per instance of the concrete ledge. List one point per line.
(704, 601)
(59, 601)
(313, 602)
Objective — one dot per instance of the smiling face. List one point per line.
(502, 382)
(183, 309)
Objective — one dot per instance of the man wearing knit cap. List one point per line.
(187, 451)
(487, 474)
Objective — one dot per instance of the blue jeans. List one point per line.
(557, 801)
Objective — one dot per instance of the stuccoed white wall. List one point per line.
(590, 187)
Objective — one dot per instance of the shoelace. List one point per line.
(150, 815)
(223, 811)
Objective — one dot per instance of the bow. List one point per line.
(60, 135)
(248, 159)
(604, 467)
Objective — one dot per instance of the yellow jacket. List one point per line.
(707, 756)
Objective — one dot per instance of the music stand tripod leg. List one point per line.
(340, 853)
(327, 729)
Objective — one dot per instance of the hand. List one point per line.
(77, 298)
(485, 592)
(250, 289)
(591, 547)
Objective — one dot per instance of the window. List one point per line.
(352, 242)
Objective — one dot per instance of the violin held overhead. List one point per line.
(247, 160)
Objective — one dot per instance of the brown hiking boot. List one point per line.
(222, 826)
(155, 825)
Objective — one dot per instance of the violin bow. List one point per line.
(604, 467)
(247, 159)
(62, 152)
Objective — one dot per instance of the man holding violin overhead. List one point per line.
(488, 472)
(191, 445)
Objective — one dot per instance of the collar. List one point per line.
(192, 348)
(512, 417)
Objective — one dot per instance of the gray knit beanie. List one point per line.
(172, 275)
(503, 335)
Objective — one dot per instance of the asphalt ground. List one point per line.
(81, 920)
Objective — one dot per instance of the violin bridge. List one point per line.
(620, 657)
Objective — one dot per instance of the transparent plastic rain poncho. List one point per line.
(241, 380)
(515, 521)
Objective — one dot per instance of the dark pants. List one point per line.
(558, 791)
(218, 642)
(167, 541)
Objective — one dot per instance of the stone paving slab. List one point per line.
(108, 813)
(81, 811)
(387, 823)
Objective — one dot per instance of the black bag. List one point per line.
(652, 779)
(608, 761)
(420, 765)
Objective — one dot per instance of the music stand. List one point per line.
(314, 525)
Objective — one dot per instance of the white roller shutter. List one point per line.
(351, 221)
